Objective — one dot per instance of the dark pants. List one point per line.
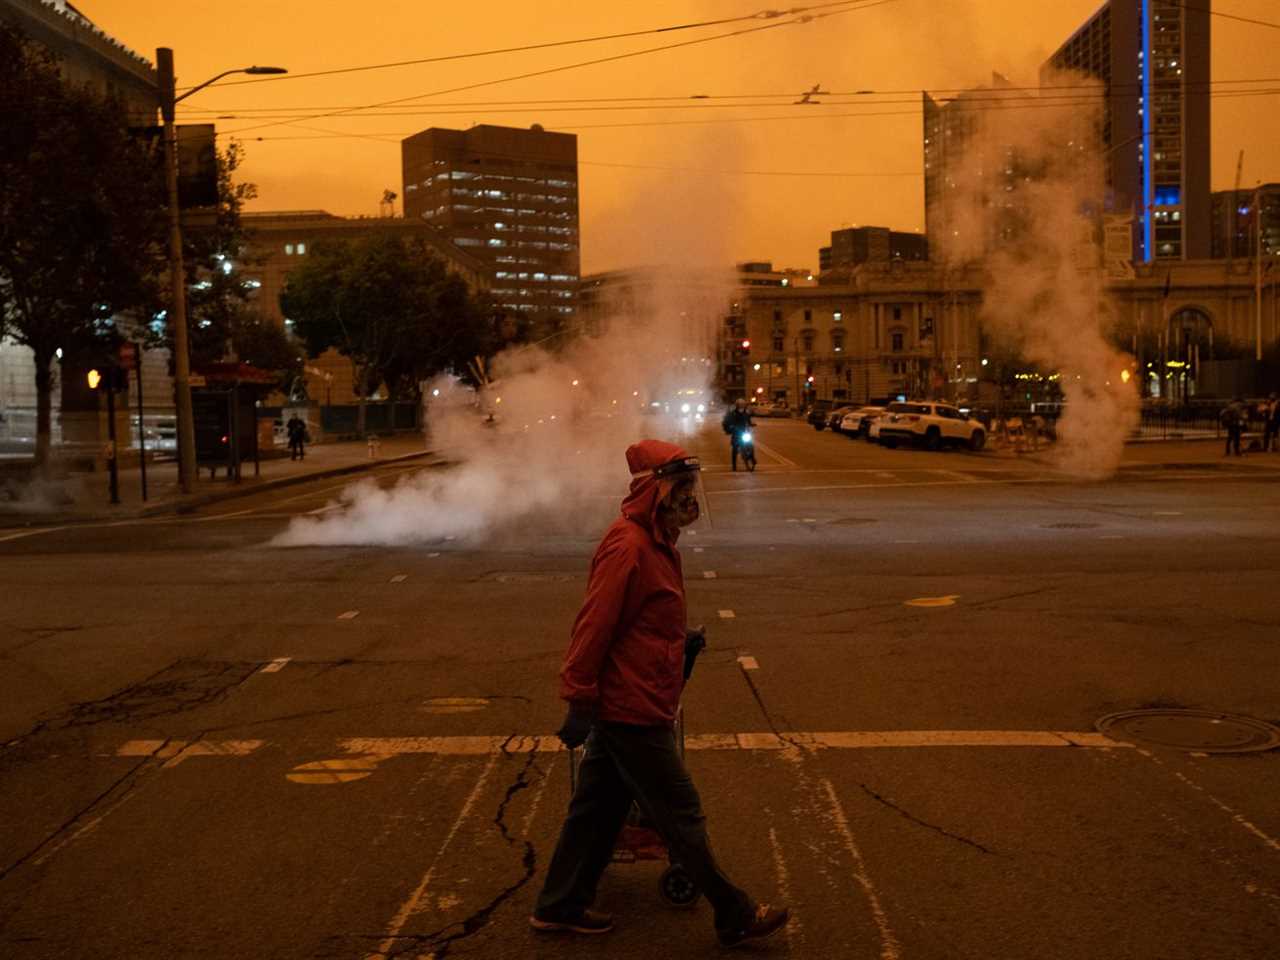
(1269, 436)
(1233, 439)
(621, 762)
(733, 453)
(296, 452)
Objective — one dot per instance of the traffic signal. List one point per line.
(746, 347)
(115, 379)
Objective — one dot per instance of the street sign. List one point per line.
(197, 380)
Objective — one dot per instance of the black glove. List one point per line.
(695, 641)
(577, 724)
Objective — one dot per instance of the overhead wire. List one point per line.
(394, 138)
(850, 6)
(657, 101)
(975, 102)
(1229, 16)
(758, 15)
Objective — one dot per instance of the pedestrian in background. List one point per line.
(1270, 423)
(1232, 419)
(297, 438)
(623, 674)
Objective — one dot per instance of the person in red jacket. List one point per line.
(622, 677)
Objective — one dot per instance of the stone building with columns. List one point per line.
(915, 329)
(896, 328)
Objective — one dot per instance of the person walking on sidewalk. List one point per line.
(622, 677)
(1232, 418)
(1270, 423)
(297, 438)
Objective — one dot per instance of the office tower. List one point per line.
(509, 196)
(1152, 58)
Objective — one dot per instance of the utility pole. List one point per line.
(177, 280)
(1257, 269)
(177, 276)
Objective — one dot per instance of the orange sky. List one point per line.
(632, 215)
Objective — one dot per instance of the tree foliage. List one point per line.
(213, 258)
(392, 307)
(81, 213)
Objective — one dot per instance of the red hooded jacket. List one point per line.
(626, 655)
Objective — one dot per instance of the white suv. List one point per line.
(933, 424)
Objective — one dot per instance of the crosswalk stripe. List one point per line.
(180, 750)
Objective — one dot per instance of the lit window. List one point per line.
(288, 249)
(302, 249)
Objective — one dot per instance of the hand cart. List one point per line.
(639, 841)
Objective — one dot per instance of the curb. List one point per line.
(194, 502)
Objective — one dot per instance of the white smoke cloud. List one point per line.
(552, 457)
(1030, 192)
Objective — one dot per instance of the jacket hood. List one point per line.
(647, 491)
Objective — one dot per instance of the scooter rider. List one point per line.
(736, 420)
(622, 676)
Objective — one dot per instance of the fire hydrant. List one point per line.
(375, 446)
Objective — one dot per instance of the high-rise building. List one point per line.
(88, 55)
(1152, 57)
(509, 196)
(969, 174)
(1235, 231)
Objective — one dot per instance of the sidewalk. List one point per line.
(1166, 455)
(86, 496)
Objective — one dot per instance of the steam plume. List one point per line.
(1031, 188)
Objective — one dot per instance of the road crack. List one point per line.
(924, 823)
(438, 944)
(110, 798)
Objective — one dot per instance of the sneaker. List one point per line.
(589, 922)
(764, 923)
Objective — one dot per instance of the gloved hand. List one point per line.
(695, 641)
(577, 724)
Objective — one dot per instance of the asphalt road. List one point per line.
(217, 748)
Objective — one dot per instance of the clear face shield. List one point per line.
(689, 497)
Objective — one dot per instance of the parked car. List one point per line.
(857, 422)
(836, 417)
(769, 408)
(819, 415)
(933, 424)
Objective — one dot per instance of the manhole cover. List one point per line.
(1071, 526)
(852, 521)
(1203, 731)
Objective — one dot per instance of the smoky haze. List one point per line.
(552, 456)
(1027, 196)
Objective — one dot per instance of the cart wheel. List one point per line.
(677, 887)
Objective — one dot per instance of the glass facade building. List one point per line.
(508, 196)
(1152, 57)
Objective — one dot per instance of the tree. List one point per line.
(390, 306)
(81, 215)
(213, 258)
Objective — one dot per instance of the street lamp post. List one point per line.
(1257, 270)
(177, 280)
